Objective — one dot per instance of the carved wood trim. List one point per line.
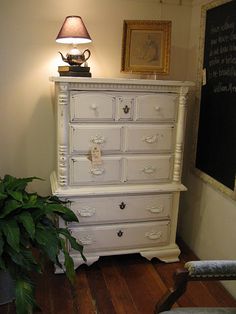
(124, 87)
(62, 135)
(178, 154)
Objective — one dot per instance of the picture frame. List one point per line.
(207, 85)
(146, 46)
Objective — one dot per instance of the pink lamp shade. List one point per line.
(73, 31)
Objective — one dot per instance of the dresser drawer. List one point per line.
(83, 137)
(148, 168)
(156, 107)
(122, 208)
(82, 170)
(92, 106)
(149, 138)
(122, 236)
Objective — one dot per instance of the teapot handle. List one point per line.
(89, 53)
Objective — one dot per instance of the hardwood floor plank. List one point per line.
(143, 282)
(84, 297)
(100, 293)
(61, 298)
(120, 295)
(218, 291)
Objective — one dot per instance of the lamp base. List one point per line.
(74, 70)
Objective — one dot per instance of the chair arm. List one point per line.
(214, 269)
(170, 297)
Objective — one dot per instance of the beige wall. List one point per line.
(207, 217)
(29, 56)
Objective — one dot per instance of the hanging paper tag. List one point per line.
(96, 155)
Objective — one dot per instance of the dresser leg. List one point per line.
(168, 254)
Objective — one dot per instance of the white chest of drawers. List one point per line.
(128, 203)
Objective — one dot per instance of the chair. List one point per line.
(193, 271)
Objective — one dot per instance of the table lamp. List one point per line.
(73, 31)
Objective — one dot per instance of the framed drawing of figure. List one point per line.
(146, 46)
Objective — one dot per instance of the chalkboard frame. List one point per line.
(204, 176)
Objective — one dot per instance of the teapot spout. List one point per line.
(63, 58)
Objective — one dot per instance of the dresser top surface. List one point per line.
(61, 79)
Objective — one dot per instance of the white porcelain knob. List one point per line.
(94, 107)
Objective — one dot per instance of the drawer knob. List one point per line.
(120, 233)
(122, 205)
(97, 171)
(94, 107)
(157, 108)
(126, 109)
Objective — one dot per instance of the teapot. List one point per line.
(75, 57)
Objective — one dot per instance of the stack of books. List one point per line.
(74, 70)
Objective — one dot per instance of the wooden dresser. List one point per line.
(119, 161)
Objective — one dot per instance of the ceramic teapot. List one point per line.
(76, 58)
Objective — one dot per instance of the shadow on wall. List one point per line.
(35, 152)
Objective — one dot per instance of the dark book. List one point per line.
(72, 68)
(78, 74)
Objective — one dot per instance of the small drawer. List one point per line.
(82, 138)
(91, 106)
(122, 208)
(157, 107)
(82, 171)
(148, 168)
(122, 236)
(149, 138)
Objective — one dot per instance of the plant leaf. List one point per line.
(73, 242)
(10, 206)
(11, 231)
(25, 301)
(1, 243)
(68, 263)
(26, 219)
(2, 264)
(48, 241)
(17, 184)
(2, 196)
(63, 211)
(16, 195)
(24, 259)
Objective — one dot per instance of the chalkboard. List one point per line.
(216, 142)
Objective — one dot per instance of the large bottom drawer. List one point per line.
(121, 236)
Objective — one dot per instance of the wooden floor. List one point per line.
(127, 284)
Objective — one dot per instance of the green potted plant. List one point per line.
(29, 225)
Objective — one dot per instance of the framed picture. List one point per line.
(146, 46)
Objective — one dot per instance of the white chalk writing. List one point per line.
(222, 58)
